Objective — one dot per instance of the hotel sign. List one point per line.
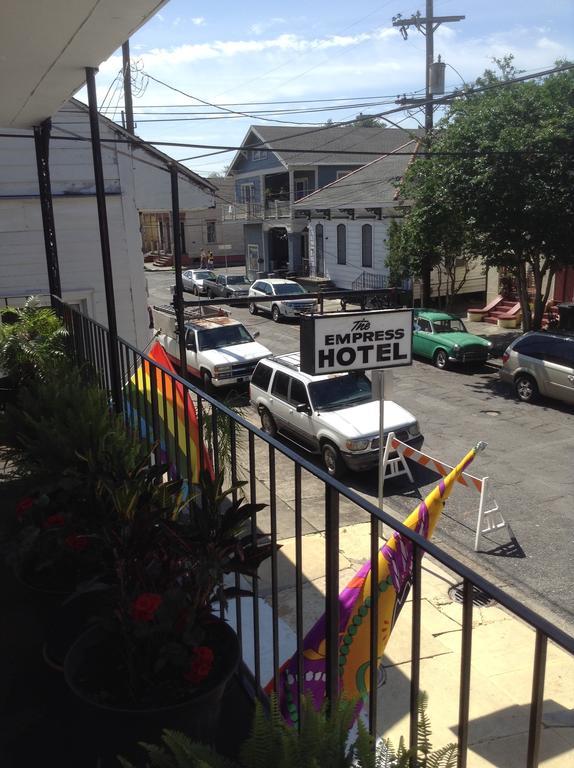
(356, 341)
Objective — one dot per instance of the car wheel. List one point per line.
(441, 359)
(268, 422)
(252, 308)
(206, 381)
(332, 460)
(275, 314)
(525, 387)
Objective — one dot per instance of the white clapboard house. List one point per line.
(136, 181)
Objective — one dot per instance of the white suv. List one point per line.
(333, 415)
(274, 287)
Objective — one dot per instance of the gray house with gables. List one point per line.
(278, 166)
(348, 221)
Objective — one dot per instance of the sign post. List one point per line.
(359, 341)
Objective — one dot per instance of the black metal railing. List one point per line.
(264, 462)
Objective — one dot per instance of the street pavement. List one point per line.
(529, 462)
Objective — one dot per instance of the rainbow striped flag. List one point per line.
(171, 417)
(394, 577)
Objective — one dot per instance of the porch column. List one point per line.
(42, 144)
(104, 240)
(178, 294)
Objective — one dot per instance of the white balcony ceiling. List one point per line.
(45, 46)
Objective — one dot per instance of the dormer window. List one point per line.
(258, 154)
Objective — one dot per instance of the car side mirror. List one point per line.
(302, 408)
(256, 334)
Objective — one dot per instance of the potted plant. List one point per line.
(32, 339)
(322, 740)
(161, 658)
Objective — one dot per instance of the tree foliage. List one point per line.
(497, 184)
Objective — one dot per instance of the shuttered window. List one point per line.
(341, 244)
(367, 245)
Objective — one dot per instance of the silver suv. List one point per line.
(333, 415)
(540, 362)
(279, 308)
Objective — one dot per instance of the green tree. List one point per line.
(498, 184)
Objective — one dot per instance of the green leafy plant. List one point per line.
(60, 422)
(323, 740)
(31, 342)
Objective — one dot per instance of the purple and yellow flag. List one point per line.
(171, 415)
(394, 577)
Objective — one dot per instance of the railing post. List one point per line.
(537, 701)
(465, 659)
(415, 651)
(332, 592)
(104, 239)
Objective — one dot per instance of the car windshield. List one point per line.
(204, 275)
(286, 289)
(237, 280)
(340, 392)
(448, 326)
(225, 336)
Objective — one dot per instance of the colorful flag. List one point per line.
(171, 416)
(394, 577)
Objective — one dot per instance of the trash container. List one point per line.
(566, 312)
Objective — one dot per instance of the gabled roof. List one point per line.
(371, 186)
(292, 145)
(149, 148)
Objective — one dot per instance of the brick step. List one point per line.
(490, 319)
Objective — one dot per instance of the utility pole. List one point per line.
(427, 25)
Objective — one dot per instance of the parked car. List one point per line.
(227, 286)
(333, 415)
(275, 287)
(193, 280)
(443, 338)
(540, 362)
(219, 350)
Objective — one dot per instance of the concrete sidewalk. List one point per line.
(502, 660)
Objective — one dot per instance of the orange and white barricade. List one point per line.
(489, 519)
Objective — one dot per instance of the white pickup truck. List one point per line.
(220, 350)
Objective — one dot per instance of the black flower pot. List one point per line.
(72, 618)
(117, 730)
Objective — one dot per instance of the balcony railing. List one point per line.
(273, 209)
(269, 466)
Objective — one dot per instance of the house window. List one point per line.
(247, 193)
(341, 244)
(211, 238)
(258, 154)
(367, 245)
(319, 251)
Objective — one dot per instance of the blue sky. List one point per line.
(260, 52)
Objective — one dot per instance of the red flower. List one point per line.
(204, 654)
(23, 506)
(145, 606)
(200, 666)
(77, 542)
(54, 521)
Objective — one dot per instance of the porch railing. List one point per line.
(264, 463)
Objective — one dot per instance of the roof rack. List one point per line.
(290, 360)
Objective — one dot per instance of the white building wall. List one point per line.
(153, 187)
(22, 254)
(343, 275)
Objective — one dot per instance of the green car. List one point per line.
(444, 339)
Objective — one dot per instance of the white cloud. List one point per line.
(198, 21)
(552, 46)
(263, 26)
